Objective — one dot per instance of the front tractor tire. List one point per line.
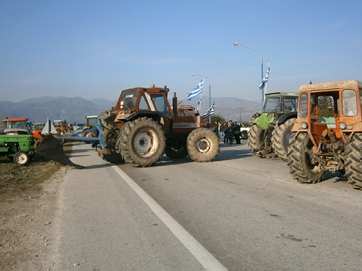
(302, 161)
(353, 158)
(203, 145)
(142, 142)
(21, 158)
(282, 136)
(255, 139)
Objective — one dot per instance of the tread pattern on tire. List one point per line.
(208, 137)
(255, 138)
(279, 138)
(126, 141)
(299, 162)
(112, 154)
(353, 159)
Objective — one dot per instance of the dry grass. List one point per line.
(16, 178)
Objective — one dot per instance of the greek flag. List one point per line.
(209, 112)
(265, 79)
(196, 91)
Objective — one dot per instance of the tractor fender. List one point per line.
(283, 118)
(264, 120)
(156, 116)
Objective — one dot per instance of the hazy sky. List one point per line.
(94, 49)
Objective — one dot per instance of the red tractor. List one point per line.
(144, 125)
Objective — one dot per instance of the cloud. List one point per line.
(338, 25)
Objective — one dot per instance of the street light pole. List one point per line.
(194, 74)
(240, 113)
(261, 64)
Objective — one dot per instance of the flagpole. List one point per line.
(194, 74)
(199, 104)
(266, 84)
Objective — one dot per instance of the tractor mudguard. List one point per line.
(283, 118)
(51, 148)
(263, 120)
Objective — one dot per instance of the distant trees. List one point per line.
(217, 118)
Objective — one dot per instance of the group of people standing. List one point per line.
(227, 131)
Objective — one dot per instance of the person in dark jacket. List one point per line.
(229, 135)
(236, 132)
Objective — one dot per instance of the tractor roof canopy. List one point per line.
(351, 84)
(15, 120)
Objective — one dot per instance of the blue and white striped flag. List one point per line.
(196, 91)
(265, 79)
(210, 111)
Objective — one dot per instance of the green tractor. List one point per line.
(19, 142)
(17, 145)
(270, 133)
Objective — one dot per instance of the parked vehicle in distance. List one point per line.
(79, 126)
(61, 126)
(244, 130)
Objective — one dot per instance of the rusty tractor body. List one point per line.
(38, 129)
(328, 132)
(270, 134)
(144, 125)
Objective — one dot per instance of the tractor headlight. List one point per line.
(304, 125)
(342, 125)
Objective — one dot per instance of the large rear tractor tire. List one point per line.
(142, 142)
(353, 158)
(302, 162)
(255, 139)
(282, 136)
(176, 151)
(203, 145)
(21, 158)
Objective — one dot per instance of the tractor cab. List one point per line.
(330, 112)
(17, 124)
(153, 103)
(280, 102)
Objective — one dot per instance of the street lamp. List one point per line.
(240, 113)
(194, 74)
(261, 64)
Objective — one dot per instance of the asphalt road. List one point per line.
(239, 212)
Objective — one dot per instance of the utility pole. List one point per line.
(240, 113)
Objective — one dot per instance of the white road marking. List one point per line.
(204, 257)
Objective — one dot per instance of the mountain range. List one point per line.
(74, 109)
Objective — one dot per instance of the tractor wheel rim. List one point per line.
(203, 145)
(21, 158)
(145, 143)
